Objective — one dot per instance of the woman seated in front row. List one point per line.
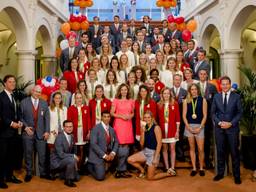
(151, 142)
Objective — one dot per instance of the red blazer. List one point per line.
(73, 116)
(174, 117)
(159, 86)
(151, 106)
(70, 76)
(184, 66)
(105, 106)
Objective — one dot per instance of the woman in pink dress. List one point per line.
(123, 111)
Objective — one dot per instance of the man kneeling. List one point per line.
(63, 156)
(103, 147)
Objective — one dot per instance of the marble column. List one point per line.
(49, 65)
(26, 64)
(230, 61)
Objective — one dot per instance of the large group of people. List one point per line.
(128, 96)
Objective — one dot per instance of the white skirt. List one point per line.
(168, 140)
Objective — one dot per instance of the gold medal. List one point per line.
(194, 116)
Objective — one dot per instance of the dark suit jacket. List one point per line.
(152, 40)
(43, 121)
(177, 35)
(150, 29)
(98, 143)
(7, 115)
(182, 95)
(156, 47)
(62, 150)
(92, 31)
(191, 59)
(113, 30)
(232, 114)
(64, 58)
(120, 37)
(204, 65)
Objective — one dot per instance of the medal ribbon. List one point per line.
(194, 106)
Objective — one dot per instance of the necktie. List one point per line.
(202, 89)
(225, 101)
(98, 110)
(35, 103)
(59, 121)
(14, 105)
(142, 109)
(111, 91)
(92, 89)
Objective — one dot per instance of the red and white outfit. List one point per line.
(72, 78)
(159, 86)
(168, 119)
(140, 108)
(84, 67)
(96, 107)
(80, 116)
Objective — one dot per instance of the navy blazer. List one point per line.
(98, 143)
(64, 58)
(156, 97)
(232, 114)
(182, 94)
(7, 115)
(204, 65)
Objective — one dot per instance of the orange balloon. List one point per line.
(173, 4)
(83, 4)
(192, 25)
(65, 28)
(75, 26)
(76, 2)
(159, 3)
(84, 25)
(181, 26)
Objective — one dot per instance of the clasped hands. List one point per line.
(109, 157)
(225, 124)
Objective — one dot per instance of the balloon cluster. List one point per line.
(166, 3)
(83, 3)
(76, 22)
(49, 85)
(186, 28)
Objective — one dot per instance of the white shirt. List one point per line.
(9, 95)
(106, 127)
(176, 90)
(68, 137)
(184, 84)
(203, 85)
(228, 95)
(33, 102)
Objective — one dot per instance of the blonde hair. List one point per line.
(189, 96)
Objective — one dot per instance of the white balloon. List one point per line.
(64, 44)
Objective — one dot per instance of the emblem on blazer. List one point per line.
(158, 87)
(80, 76)
(42, 113)
(104, 104)
(172, 107)
(148, 106)
(85, 111)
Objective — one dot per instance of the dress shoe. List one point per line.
(69, 183)
(118, 174)
(3, 185)
(13, 179)
(238, 180)
(209, 166)
(193, 173)
(125, 174)
(28, 178)
(201, 173)
(218, 177)
(48, 177)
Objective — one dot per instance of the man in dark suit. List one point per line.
(68, 53)
(153, 94)
(201, 64)
(226, 112)
(141, 40)
(36, 120)
(146, 24)
(165, 30)
(84, 40)
(179, 94)
(103, 147)
(96, 31)
(63, 158)
(132, 29)
(208, 91)
(153, 38)
(116, 27)
(9, 125)
(160, 43)
(123, 35)
(173, 33)
(190, 55)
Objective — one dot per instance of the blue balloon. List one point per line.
(49, 78)
(235, 86)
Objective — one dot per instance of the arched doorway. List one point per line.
(13, 37)
(43, 46)
(212, 43)
(242, 35)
